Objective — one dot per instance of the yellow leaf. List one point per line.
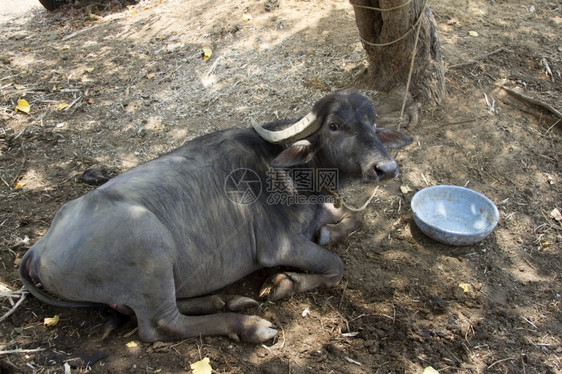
(430, 370)
(49, 322)
(464, 286)
(132, 344)
(207, 53)
(246, 17)
(20, 185)
(62, 106)
(202, 367)
(150, 76)
(23, 106)
(89, 70)
(472, 33)
(55, 88)
(19, 87)
(405, 189)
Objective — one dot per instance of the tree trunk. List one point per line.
(389, 65)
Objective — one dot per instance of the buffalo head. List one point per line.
(340, 132)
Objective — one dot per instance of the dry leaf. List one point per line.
(23, 106)
(202, 367)
(405, 189)
(430, 370)
(150, 75)
(50, 322)
(19, 87)
(62, 106)
(132, 344)
(207, 53)
(555, 213)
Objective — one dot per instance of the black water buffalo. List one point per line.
(154, 240)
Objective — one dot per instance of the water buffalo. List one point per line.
(155, 239)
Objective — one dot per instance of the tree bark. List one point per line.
(389, 65)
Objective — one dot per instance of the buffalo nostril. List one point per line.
(386, 170)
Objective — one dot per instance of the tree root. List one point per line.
(532, 100)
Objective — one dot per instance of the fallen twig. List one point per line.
(500, 361)
(12, 294)
(70, 36)
(18, 350)
(544, 61)
(131, 332)
(72, 103)
(22, 166)
(8, 77)
(534, 101)
(477, 59)
(22, 298)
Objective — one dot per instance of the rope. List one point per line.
(414, 26)
(411, 70)
(340, 201)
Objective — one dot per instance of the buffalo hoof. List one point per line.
(254, 330)
(279, 286)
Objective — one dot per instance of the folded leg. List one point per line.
(324, 267)
(346, 221)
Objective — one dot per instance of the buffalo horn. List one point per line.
(308, 125)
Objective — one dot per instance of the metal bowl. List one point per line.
(454, 215)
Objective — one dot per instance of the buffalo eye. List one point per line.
(334, 126)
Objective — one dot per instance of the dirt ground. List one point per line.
(111, 86)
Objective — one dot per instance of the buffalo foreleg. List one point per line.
(159, 316)
(238, 327)
(324, 269)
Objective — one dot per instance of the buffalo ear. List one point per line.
(298, 153)
(393, 138)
